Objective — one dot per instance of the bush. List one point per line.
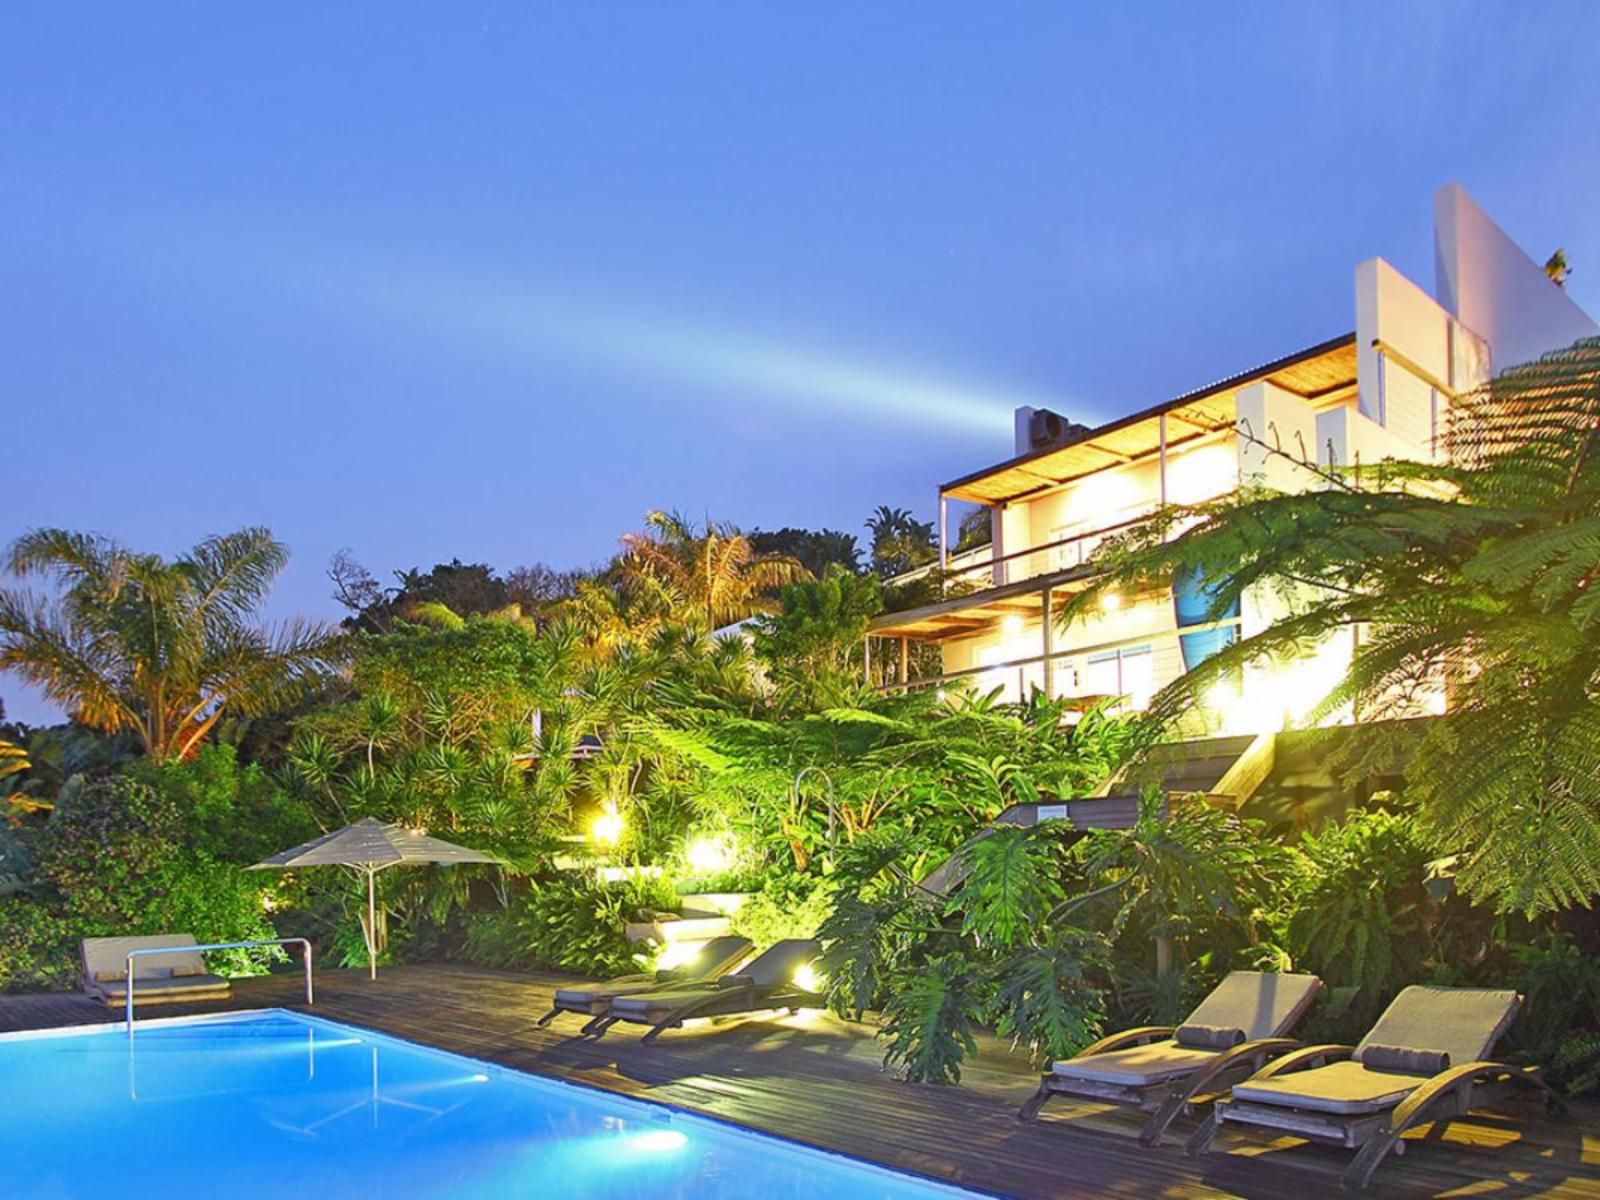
(37, 952)
(787, 906)
(570, 923)
(1361, 916)
(113, 861)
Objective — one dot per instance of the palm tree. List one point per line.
(900, 541)
(1480, 576)
(712, 574)
(161, 649)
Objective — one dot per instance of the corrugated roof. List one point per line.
(1316, 371)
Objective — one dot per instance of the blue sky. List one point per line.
(490, 280)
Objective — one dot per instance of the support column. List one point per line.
(905, 660)
(1047, 641)
(1161, 458)
(866, 659)
(944, 540)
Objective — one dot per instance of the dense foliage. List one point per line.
(621, 751)
(1472, 578)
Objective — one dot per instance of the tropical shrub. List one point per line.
(1360, 914)
(786, 906)
(37, 950)
(113, 860)
(1471, 576)
(569, 923)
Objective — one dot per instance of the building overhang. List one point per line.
(1317, 373)
(976, 611)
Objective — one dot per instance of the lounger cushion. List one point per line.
(1464, 1023)
(1260, 1003)
(1137, 1066)
(191, 987)
(1208, 1037)
(106, 959)
(598, 991)
(1403, 1060)
(657, 1001)
(1345, 1088)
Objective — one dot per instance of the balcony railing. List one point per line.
(1046, 558)
(1132, 667)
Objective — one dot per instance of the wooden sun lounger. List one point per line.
(766, 982)
(717, 957)
(157, 978)
(1425, 1060)
(1167, 1071)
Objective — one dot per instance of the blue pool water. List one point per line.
(277, 1105)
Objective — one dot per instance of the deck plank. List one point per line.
(818, 1080)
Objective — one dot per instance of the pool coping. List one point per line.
(667, 1112)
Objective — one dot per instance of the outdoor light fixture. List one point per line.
(1011, 623)
(807, 979)
(708, 855)
(1110, 602)
(676, 954)
(606, 829)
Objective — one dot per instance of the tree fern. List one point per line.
(1480, 576)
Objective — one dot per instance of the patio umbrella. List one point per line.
(372, 846)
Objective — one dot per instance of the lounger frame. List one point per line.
(1451, 1093)
(731, 997)
(597, 1007)
(1167, 1100)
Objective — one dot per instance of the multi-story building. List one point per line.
(1379, 392)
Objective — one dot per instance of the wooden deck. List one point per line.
(817, 1080)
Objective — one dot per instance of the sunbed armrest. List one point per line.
(1447, 1081)
(1306, 1056)
(1419, 1107)
(1128, 1037)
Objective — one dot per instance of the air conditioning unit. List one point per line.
(1045, 428)
(1039, 429)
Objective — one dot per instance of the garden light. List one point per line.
(807, 979)
(606, 829)
(677, 954)
(708, 855)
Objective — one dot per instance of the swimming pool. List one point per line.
(277, 1104)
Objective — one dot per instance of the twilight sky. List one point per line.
(490, 280)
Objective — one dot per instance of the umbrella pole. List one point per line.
(372, 924)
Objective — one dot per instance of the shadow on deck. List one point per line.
(817, 1079)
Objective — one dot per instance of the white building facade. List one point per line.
(1380, 392)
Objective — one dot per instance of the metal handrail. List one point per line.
(304, 943)
(1136, 639)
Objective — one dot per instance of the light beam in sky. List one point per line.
(491, 317)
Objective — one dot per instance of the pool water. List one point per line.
(279, 1105)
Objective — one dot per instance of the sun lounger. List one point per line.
(1166, 1071)
(714, 959)
(157, 978)
(766, 982)
(1425, 1060)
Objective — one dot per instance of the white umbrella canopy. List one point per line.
(371, 846)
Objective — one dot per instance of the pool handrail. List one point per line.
(304, 943)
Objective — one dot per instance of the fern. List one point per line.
(1480, 575)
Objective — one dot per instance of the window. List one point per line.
(1128, 671)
